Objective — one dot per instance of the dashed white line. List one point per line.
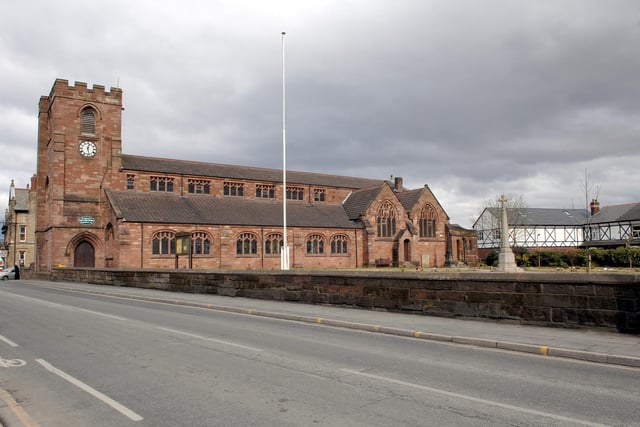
(188, 334)
(8, 341)
(95, 393)
(474, 399)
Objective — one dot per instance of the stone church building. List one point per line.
(99, 207)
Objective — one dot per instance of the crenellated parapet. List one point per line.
(80, 90)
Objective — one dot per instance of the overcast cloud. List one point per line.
(473, 98)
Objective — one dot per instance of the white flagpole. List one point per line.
(284, 254)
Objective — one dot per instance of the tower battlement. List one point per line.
(61, 87)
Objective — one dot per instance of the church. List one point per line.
(99, 207)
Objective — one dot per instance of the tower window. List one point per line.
(88, 122)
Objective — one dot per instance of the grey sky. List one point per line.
(473, 98)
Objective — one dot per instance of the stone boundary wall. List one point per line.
(576, 300)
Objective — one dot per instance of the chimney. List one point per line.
(397, 183)
(595, 206)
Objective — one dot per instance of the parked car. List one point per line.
(9, 273)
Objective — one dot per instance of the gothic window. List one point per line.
(88, 122)
(265, 191)
(247, 245)
(295, 193)
(339, 245)
(200, 243)
(386, 220)
(161, 184)
(163, 243)
(318, 195)
(195, 186)
(233, 189)
(272, 244)
(427, 222)
(131, 181)
(315, 244)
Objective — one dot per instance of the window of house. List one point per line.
(200, 243)
(315, 244)
(318, 195)
(636, 231)
(233, 189)
(247, 244)
(23, 233)
(386, 220)
(163, 243)
(196, 186)
(131, 181)
(161, 184)
(265, 191)
(427, 222)
(273, 243)
(339, 245)
(295, 193)
(88, 122)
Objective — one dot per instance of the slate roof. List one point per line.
(358, 201)
(617, 213)
(22, 199)
(542, 216)
(216, 170)
(167, 208)
(409, 198)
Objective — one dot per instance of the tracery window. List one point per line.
(315, 244)
(318, 195)
(233, 189)
(339, 244)
(427, 221)
(88, 121)
(386, 220)
(131, 181)
(161, 184)
(247, 244)
(200, 243)
(198, 186)
(163, 243)
(265, 191)
(295, 193)
(273, 244)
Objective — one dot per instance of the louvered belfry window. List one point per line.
(88, 125)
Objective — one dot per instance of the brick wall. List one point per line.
(609, 301)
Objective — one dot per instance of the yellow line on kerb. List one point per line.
(319, 320)
(249, 311)
(17, 410)
(376, 328)
(544, 350)
(417, 334)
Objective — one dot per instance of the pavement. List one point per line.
(600, 346)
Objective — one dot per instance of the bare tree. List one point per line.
(591, 192)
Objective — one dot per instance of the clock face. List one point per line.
(88, 149)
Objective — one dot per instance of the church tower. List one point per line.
(79, 151)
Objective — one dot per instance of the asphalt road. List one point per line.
(74, 359)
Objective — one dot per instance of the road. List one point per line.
(77, 359)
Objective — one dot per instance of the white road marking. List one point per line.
(70, 307)
(474, 399)
(95, 393)
(8, 341)
(98, 313)
(188, 334)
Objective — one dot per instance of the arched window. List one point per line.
(339, 245)
(163, 243)
(427, 221)
(273, 243)
(386, 220)
(200, 243)
(247, 244)
(315, 244)
(88, 121)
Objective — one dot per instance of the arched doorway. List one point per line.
(84, 255)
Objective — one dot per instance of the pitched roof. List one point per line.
(217, 170)
(542, 216)
(615, 213)
(168, 208)
(358, 201)
(22, 199)
(409, 198)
